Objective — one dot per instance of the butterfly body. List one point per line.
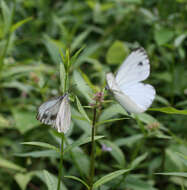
(127, 87)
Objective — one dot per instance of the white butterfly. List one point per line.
(56, 112)
(127, 88)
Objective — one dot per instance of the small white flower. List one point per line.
(56, 112)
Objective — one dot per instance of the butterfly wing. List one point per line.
(63, 119)
(136, 98)
(47, 112)
(134, 69)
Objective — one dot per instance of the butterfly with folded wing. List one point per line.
(56, 112)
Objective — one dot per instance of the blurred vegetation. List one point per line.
(31, 34)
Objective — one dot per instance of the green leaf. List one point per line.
(162, 100)
(52, 48)
(112, 111)
(25, 70)
(82, 86)
(39, 154)
(183, 158)
(181, 103)
(88, 82)
(81, 159)
(51, 185)
(77, 53)
(135, 183)
(138, 160)
(88, 51)
(19, 85)
(110, 120)
(7, 16)
(4, 123)
(25, 120)
(169, 110)
(164, 76)
(146, 118)
(129, 141)
(5, 10)
(20, 23)
(133, 1)
(109, 177)
(81, 110)
(117, 53)
(161, 135)
(41, 144)
(180, 39)
(179, 174)
(173, 162)
(163, 35)
(79, 39)
(81, 142)
(78, 179)
(80, 121)
(23, 179)
(62, 77)
(116, 152)
(49, 179)
(10, 165)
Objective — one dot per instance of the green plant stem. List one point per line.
(61, 162)
(92, 159)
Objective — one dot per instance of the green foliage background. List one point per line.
(31, 34)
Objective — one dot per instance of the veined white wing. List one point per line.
(139, 93)
(47, 112)
(63, 118)
(136, 98)
(134, 69)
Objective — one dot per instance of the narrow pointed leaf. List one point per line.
(62, 76)
(169, 110)
(41, 144)
(109, 177)
(82, 86)
(81, 142)
(49, 180)
(179, 174)
(81, 110)
(110, 120)
(51, 185)
(10, 165)
(23, 179)
(39, 154)
(20, 23)
(78, 179)
(138, 160)
(79, 39)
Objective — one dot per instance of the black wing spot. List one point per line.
(140, 63)
(44, 116)
(53, 117)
